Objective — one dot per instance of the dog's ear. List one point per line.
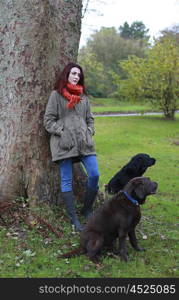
(138, 187)
(136, 181)
(136, 164)
(140, 192)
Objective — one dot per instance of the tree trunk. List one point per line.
(169, 101)
(38, 37)
(169, 114)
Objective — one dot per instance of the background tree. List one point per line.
(104, 49)
(37, 39)
(137, 30)
(96, 76)
(97, 58)
(155, 77)
(171, 32)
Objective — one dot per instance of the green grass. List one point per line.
(28, 253)
(119, 138)
(104, 105)
(101, 105)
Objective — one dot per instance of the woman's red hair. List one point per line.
(62, 79)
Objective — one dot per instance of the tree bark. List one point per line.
(38, 37)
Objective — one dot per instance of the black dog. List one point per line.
(134, 168)
(116, 218)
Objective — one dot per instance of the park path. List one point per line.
(128, 114)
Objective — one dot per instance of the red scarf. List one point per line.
(72, 93)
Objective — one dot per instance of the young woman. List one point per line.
(69, 120)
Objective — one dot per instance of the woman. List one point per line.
(69, 120)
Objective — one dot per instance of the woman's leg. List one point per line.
(91, 166)
(65, 168)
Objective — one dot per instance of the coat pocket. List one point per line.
(59, 126)
(54, 144)
(89, 139)
(66, 140)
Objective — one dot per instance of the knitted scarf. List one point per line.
(72, 93)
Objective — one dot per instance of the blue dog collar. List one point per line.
(130, 198)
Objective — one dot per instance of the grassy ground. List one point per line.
(101, 105)
(109, 105)
(34, 253)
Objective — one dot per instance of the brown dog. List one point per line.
(116, 218)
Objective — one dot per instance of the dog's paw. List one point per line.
(94, 259)
(113, 255)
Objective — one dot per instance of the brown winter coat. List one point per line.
(71, 129)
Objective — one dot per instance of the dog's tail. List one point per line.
(72, 253)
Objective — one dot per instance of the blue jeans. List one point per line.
(91, 166)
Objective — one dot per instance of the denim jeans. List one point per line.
(91, 166)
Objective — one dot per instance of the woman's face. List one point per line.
(74, 76)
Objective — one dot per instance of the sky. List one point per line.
(155, 14)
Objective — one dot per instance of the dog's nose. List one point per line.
(155, 185)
